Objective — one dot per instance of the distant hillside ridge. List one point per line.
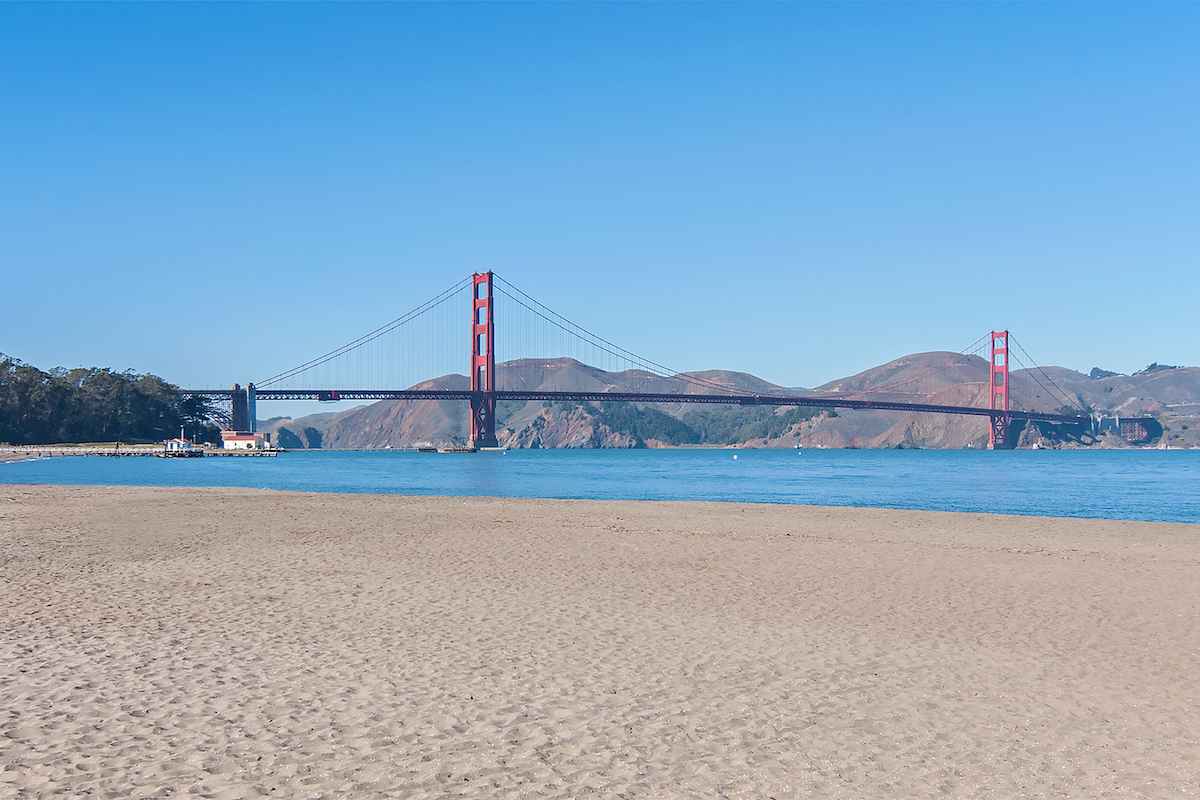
(938, 377)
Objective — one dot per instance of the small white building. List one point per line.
(245, 440)
(179, 446)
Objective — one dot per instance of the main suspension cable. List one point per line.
(564, 324)
(375, 334)
(1061, 394)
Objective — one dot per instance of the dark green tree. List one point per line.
(91, 405)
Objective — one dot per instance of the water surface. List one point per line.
(1111, 484)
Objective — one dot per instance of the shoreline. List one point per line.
(534, 499)
(248, 642)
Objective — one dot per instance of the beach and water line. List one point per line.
(240, 642)
(1149, 485)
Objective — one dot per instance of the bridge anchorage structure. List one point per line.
(236, 408)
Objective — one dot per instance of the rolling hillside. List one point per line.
(1173, 395)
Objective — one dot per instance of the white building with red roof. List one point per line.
(245, 440)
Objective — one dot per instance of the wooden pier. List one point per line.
(160, 451)
(383, 450)
(127, 451)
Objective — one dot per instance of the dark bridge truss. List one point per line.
(224, 396)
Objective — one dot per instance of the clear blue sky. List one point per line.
(800, 191)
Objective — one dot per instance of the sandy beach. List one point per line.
(232, 643)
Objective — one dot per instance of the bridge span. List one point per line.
(483, 394)
(815, 401)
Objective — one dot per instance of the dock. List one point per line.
(129, 451)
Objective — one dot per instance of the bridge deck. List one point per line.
(636, 397)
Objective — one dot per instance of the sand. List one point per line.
(233, 643)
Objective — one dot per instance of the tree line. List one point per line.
(93, 405)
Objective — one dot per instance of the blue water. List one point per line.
(1111, 484)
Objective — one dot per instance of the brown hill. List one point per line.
(388, 423)
(941, 378)
(444, 423)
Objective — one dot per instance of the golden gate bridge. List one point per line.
(399, 352)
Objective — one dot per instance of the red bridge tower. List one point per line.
(1001, 423)
(483, 363)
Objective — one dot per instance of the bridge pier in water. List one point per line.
(1001, 437)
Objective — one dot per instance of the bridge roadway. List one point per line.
(328, 395)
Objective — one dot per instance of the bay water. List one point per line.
(1109, 484)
